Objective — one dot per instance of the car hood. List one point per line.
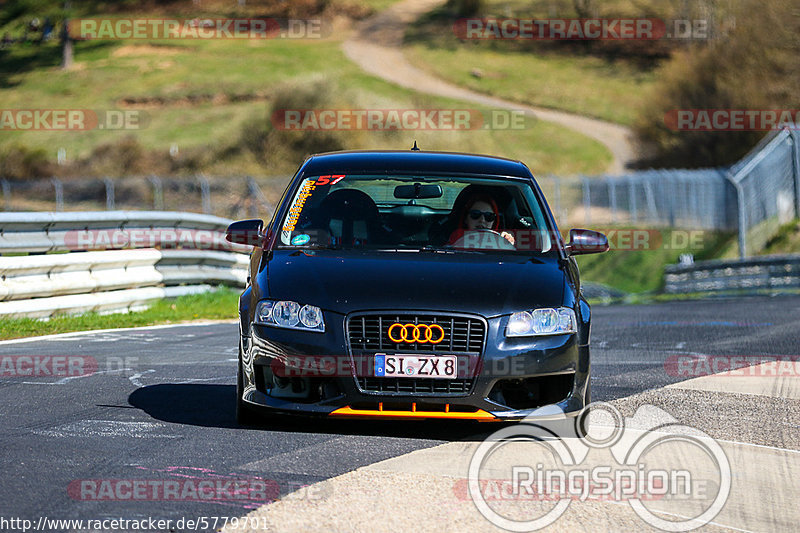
(347, 281)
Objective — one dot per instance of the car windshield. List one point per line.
(416, 213)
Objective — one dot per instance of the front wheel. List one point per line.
(244, 414)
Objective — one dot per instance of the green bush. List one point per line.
(466, 8)
(755, 66)
(273, 146)
(20, 162)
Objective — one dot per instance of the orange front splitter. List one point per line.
(480, 414)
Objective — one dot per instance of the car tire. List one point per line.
(244, 414)
(582, 420)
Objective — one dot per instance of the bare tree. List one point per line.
(66, 46)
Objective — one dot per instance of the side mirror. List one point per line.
(586, 241)
(247, 232)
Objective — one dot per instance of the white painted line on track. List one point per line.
(107, 428)
(380, 493)
(135, 378)
(72, 334)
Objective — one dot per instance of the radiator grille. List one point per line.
(370, 333)
(416, 385)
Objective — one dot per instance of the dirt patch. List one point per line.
(138, 50)
(158, 102)
(377, 47)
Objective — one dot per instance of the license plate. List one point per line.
(416, 366)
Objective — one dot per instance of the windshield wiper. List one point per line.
(426, 248)
(312, 246)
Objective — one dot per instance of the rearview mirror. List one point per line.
(586, 241)
(418, 190)
(246, 232)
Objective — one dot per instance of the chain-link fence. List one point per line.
(233, 197)
(767, 182)
(697, 199)
(754, 197)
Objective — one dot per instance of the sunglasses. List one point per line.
(475, 214)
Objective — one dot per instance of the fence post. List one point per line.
(671, 202)
(110, 201)
(252, 194)
(158, 193)
(59, 190)
(795, 170)
(742, 219)
(612, 198)
(651, 201)
(205, 193)
(557, 195)
(587, 202)
(6, 194)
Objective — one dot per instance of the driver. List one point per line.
(480, 213)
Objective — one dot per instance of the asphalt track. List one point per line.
(160, 407)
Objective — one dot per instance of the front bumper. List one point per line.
(514, 377)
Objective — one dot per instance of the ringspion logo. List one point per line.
(674, 477)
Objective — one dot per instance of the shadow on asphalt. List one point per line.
(214, 406)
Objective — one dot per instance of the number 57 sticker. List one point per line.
(332, 179)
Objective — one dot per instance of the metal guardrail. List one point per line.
(111, 274)
(766, 272)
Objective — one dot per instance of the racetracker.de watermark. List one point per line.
(732, 119)
(196, 28)
(38, 366)
(162, 238)
(574, 29)
(397, 119)
(733, 366)
(222, 489)
(72, 119)
(202, 490)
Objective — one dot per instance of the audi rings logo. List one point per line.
(421, 333)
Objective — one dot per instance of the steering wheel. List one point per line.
(472, 240)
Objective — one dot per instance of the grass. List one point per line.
(642, 271)
(589, 86)
(545, 76)
(377, 5)
(169, 74)
(219, 304)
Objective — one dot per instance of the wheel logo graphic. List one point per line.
(419, 333)
(630, 444)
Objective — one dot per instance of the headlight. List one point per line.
(544, 321)
(288, 314)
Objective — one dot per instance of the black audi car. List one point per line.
(412, 285)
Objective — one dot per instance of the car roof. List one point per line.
(408, 161)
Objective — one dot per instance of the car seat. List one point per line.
(351, 218)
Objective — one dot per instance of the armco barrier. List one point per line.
(84, 279)
(766, 272)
